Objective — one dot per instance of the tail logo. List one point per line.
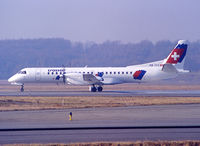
(175, 56)
(178, 53)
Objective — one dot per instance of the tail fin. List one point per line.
(175, 61)
(178, 53)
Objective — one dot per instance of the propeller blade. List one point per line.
(64, 81)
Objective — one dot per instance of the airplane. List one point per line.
(97, 77)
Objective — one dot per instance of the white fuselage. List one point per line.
(111, 75)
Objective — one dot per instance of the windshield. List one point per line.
(22, 72)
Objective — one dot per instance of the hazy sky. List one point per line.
(100, 20)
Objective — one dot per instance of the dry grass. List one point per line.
(138, 143)
(36, 103)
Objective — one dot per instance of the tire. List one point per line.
(100, 89)
(94, 89)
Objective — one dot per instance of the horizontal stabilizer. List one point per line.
(169, 68)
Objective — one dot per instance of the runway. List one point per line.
(128, 93)
(98, 135)
(165, 115)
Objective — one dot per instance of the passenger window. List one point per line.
(56, 72)
(110, 72)
(126, 72)
(52, 73)
(122, 72)
(60, 73)
(88, 72)
(131, 72)
(92, 73)
(114, 72)
(118, 72)
(106, 72)
(48, 73)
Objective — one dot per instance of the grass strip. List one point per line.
(39, 103)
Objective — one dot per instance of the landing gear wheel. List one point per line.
(93, 89)
(100, 89)
(22, 88)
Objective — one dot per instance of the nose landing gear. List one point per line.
(22, 88)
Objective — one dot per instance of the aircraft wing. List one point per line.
(92, 79)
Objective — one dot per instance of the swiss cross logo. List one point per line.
(175, 56)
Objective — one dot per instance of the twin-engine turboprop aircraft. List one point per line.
(96, 77)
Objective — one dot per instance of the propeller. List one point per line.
(63, 76)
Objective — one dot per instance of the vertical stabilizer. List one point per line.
(178, 53)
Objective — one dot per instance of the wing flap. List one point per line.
(91, 79)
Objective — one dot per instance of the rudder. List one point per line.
(178, 53)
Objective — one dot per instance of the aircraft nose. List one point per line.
(12, 79)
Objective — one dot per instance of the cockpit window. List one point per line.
(22, 72)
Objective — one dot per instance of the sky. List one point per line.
(100, 20)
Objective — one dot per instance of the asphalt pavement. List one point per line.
(125, 93)
(137, 116)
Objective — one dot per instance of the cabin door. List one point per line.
(38, 75)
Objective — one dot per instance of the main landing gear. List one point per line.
(22, 88)
(94, 89)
